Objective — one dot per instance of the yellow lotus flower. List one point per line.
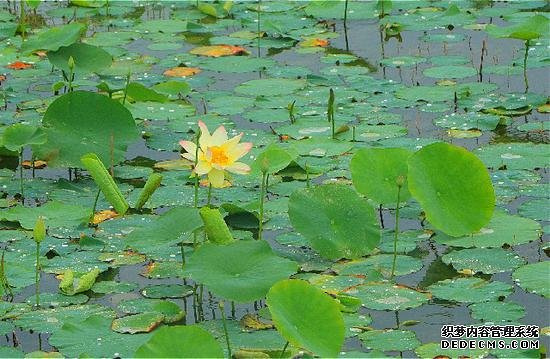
(217, 154)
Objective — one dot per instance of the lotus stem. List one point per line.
(286, 344)
(396, 232)
(126, 86)
(209, 198)
(222, 310)
(259, 25)
(525, 78)
(95, 206)
(196, 184)
(21, 176)
(345, 13)
(37, 275)
(262, 198)
(308, 184)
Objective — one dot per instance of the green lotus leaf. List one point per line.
(242, 271)
(453, 187)
(307, 317)
(534, 278)
(180, 342)
(87, 58)
(470, 290)
(54, 38)
(376, 171)
(343, 225)
(82, 122)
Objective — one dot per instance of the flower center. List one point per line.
(219, 156)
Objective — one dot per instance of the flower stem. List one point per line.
(209, 198)
(262, 198)
(222, 310)
(396, 232)
(21, 176)
(525, 78)
(284, 350)
(37, 275)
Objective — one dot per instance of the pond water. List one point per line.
(376, 66)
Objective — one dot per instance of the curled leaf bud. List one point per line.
(39, 232)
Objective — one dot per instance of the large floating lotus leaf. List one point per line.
(502, 229)
(534, 278)
(470, 290)
(321, 147)
(180, 342)
(403, 61)
(167, 291)
(497, 311)
(450, 72)
(307, 317)
(55, 214)
(87, 58)
(51, 320)
(236, 64)
(433, 350)
(164, 26)
(106, 287)
(484, 260)
(270, 87)
(52, 39)
(468, 121)
(390, 340)
(375, 172)
(94, 338)
(242, 271)
(54, 300)
(453, 187)
(536, 209)
(19, 135)
(137, 323)
(11, 352)
(515, 156)
(166, 230)
(388, 296)
(327, 9)
(531, 28)
(443, 93)
(381, 263)
(170, 310)
(343, 225)
(81, 122)
(243, 338)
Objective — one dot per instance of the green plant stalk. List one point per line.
(330, 112)
(196, 185)
(262, 198)
(345, 13)
(222, 310)
(396, 233)
(209, 198)
(126, 87)
(21, 176)
(308, 184)
(259, 25)
(22, 18)
(525, 78)
(70, 79)
(37, 275)
(286, 344)
(95, 206)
